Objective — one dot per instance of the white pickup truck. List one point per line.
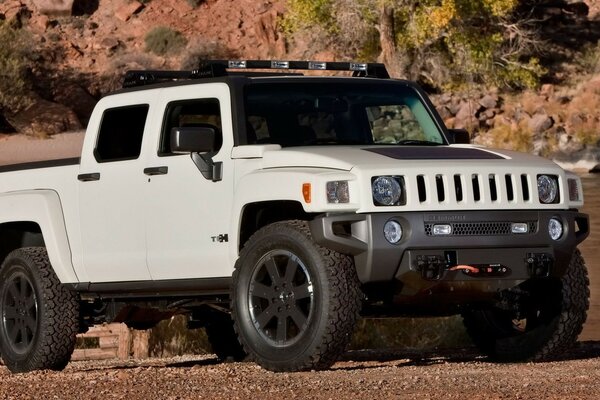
(274, 209)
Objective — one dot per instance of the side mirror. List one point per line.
(459, 136)
(193, 139)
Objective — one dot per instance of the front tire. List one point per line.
(295, 303)
(543, 320)
(39, 318)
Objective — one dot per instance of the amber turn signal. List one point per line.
(306, 192)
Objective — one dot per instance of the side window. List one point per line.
(121, 131)
(196, 112)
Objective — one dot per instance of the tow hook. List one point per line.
(539, 264)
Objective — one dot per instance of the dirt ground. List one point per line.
(455, 374)
(460, 374)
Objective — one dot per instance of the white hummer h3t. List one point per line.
(274, 209)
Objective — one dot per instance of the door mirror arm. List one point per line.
(210, 169)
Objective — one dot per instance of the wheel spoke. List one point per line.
(290, 270)
(31, 322)
(263, 318)
(13, 291)
(302, 291)
(262, 291)
(25, 338)
(13, 333)
(272, 270)
(281, 328)
(24, 288)
(298, 317)
(30, 303)
(10, 312)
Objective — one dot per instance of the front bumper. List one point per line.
(424, 263)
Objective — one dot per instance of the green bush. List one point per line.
(163, 40)
(15, 80)
(410, 333)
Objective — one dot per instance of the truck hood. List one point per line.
(376, 157)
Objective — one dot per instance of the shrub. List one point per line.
(163, 40)
(410, 333)
(195, 3)
(200, 51)
(15, 79)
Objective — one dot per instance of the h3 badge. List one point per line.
(220, 238)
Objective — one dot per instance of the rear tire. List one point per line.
(39, 317)
(552, 316)
(295, 303)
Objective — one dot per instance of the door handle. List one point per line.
(94, 176)
(156, 170)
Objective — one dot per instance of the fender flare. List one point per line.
(44, 208)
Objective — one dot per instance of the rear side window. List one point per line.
(121, 132)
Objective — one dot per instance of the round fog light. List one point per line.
(392, 231)
(555, 229)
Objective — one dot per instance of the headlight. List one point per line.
(555, 229)
(338, 192)
(547, 189)
(387, 190)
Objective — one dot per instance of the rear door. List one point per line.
(111, 196)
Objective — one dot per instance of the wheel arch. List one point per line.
(257, 215)
(35, 218)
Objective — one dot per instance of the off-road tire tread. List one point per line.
(567, 326)
(59, 310)
(345, 303)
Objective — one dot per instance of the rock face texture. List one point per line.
(54, 7)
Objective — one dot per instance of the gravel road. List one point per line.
(459, 374)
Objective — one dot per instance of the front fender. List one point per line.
(44, 208)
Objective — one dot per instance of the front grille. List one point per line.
(473, 187)
(481, 228)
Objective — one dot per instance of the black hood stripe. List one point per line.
(434, 153)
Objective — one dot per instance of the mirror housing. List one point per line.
(459, 136)
(193, 139)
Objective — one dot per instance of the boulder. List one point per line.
(44, 118)
(466, 115)
(489, 101)
(540, 123)
(54, 7)
(76, 98)
(128, 10)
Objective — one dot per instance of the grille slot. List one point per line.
(481, 229)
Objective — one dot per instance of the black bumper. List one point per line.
(425, 263)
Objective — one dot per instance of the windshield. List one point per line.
(318, 113)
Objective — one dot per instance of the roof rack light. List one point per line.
(280, 64)
(317, 65)
(358, 66)
(235, 64)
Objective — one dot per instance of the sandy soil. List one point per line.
(17, 149)
(361, 375)
(460, 373)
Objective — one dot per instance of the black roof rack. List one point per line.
(216, 68)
